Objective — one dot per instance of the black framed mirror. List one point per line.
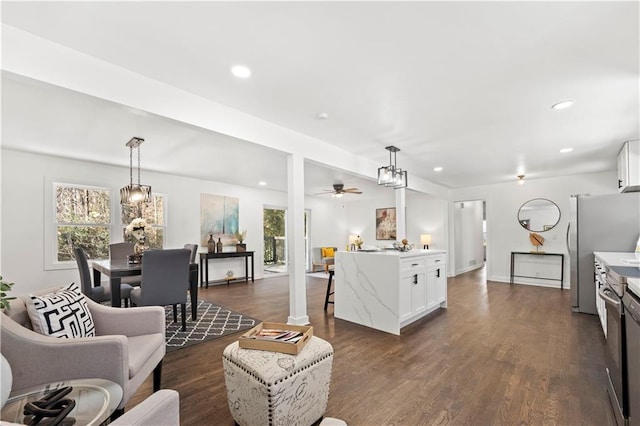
(539, 215)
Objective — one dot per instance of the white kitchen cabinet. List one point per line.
(629, 167)
(413, 287)
(600, 280)
(437, 267)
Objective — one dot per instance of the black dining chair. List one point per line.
(121, 251)
(97, 293)
(194, 250)
(165, 280)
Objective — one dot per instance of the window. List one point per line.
(82, 218)
(153, 213)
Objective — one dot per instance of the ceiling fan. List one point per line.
(339, 190)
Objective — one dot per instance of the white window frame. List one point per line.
(51, 261)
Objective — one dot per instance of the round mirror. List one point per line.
(539, 215)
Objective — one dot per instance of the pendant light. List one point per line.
(392, 176)
(135, 193)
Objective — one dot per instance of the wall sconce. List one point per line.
(135, 193)
(425, 240)
(520, 179)
(391, 175)
(352, 241)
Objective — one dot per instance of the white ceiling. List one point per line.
(467, 86)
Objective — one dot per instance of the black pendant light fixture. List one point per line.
(392, 176)
(135, 193)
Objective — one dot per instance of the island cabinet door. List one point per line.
(413, 287)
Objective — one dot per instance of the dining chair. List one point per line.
(165, 280)
(97, 293)
(120, 251)
(194, 251)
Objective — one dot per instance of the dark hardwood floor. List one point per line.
(499, 355)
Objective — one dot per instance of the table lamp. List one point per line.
(425, 240)
(352, 241)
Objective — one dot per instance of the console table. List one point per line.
(514, 254)
(204, 264)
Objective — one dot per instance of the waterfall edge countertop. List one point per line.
(389, 289)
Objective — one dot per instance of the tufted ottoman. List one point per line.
(272, 388)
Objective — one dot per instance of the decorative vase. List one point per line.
(219, 246)
(241, 247)
(211, 245)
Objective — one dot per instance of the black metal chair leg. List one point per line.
(175, 313)
(157, 377)
(183, 309)
(329, 292)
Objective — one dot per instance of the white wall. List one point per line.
(504, 233)
(23, 207)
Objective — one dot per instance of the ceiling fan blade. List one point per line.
(350, 189)
(325, 192)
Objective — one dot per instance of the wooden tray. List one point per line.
(246, 342)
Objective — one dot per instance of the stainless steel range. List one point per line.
(631, 302)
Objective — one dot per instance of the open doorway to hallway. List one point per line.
(470, 235)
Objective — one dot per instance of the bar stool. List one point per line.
(329, 292)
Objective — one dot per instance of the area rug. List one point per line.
(212, 322)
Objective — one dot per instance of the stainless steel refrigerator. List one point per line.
(598, 223)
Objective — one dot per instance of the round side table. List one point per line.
(96, 400)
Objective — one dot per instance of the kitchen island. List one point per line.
(388, 289)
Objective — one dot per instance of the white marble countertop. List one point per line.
(414, 252)
(614, 258)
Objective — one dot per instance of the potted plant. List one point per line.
(240, 236)
(4, 288)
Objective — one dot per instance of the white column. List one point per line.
(295, 241)
(401, 210)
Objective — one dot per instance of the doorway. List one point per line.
(274, 225)
(470, 235)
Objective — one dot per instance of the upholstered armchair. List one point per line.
(161, 408)
(323, 257)
(128, 346)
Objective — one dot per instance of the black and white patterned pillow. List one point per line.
(63, 313)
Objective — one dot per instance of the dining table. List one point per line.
(119, 268)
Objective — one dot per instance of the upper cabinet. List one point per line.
(629, 167)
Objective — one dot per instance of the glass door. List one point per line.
(275, 241)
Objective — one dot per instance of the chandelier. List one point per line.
(135, 193)
(392, 176)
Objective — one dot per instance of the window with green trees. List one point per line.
(83, 218)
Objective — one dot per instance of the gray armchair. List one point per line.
(121, 251)
(97, 293)
(129, 345)
(165, 280)
(161, 408)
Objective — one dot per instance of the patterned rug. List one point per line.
(212, 321)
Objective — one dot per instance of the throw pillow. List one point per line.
(63, 313)
(327, 252)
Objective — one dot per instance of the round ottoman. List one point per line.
(272, 388)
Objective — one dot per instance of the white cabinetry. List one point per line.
(601, 306)
(413, 287)
(629, 167)
(436, 281)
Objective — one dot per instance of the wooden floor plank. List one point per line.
(499, 355)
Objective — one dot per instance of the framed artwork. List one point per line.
(386, 223)
(219, 216)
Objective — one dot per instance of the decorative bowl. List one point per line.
(403, 247)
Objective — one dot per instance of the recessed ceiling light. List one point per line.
(241, 71)
(262, 183)
(322, 116)
(562, 105)
(437, 169)
(563, 150)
